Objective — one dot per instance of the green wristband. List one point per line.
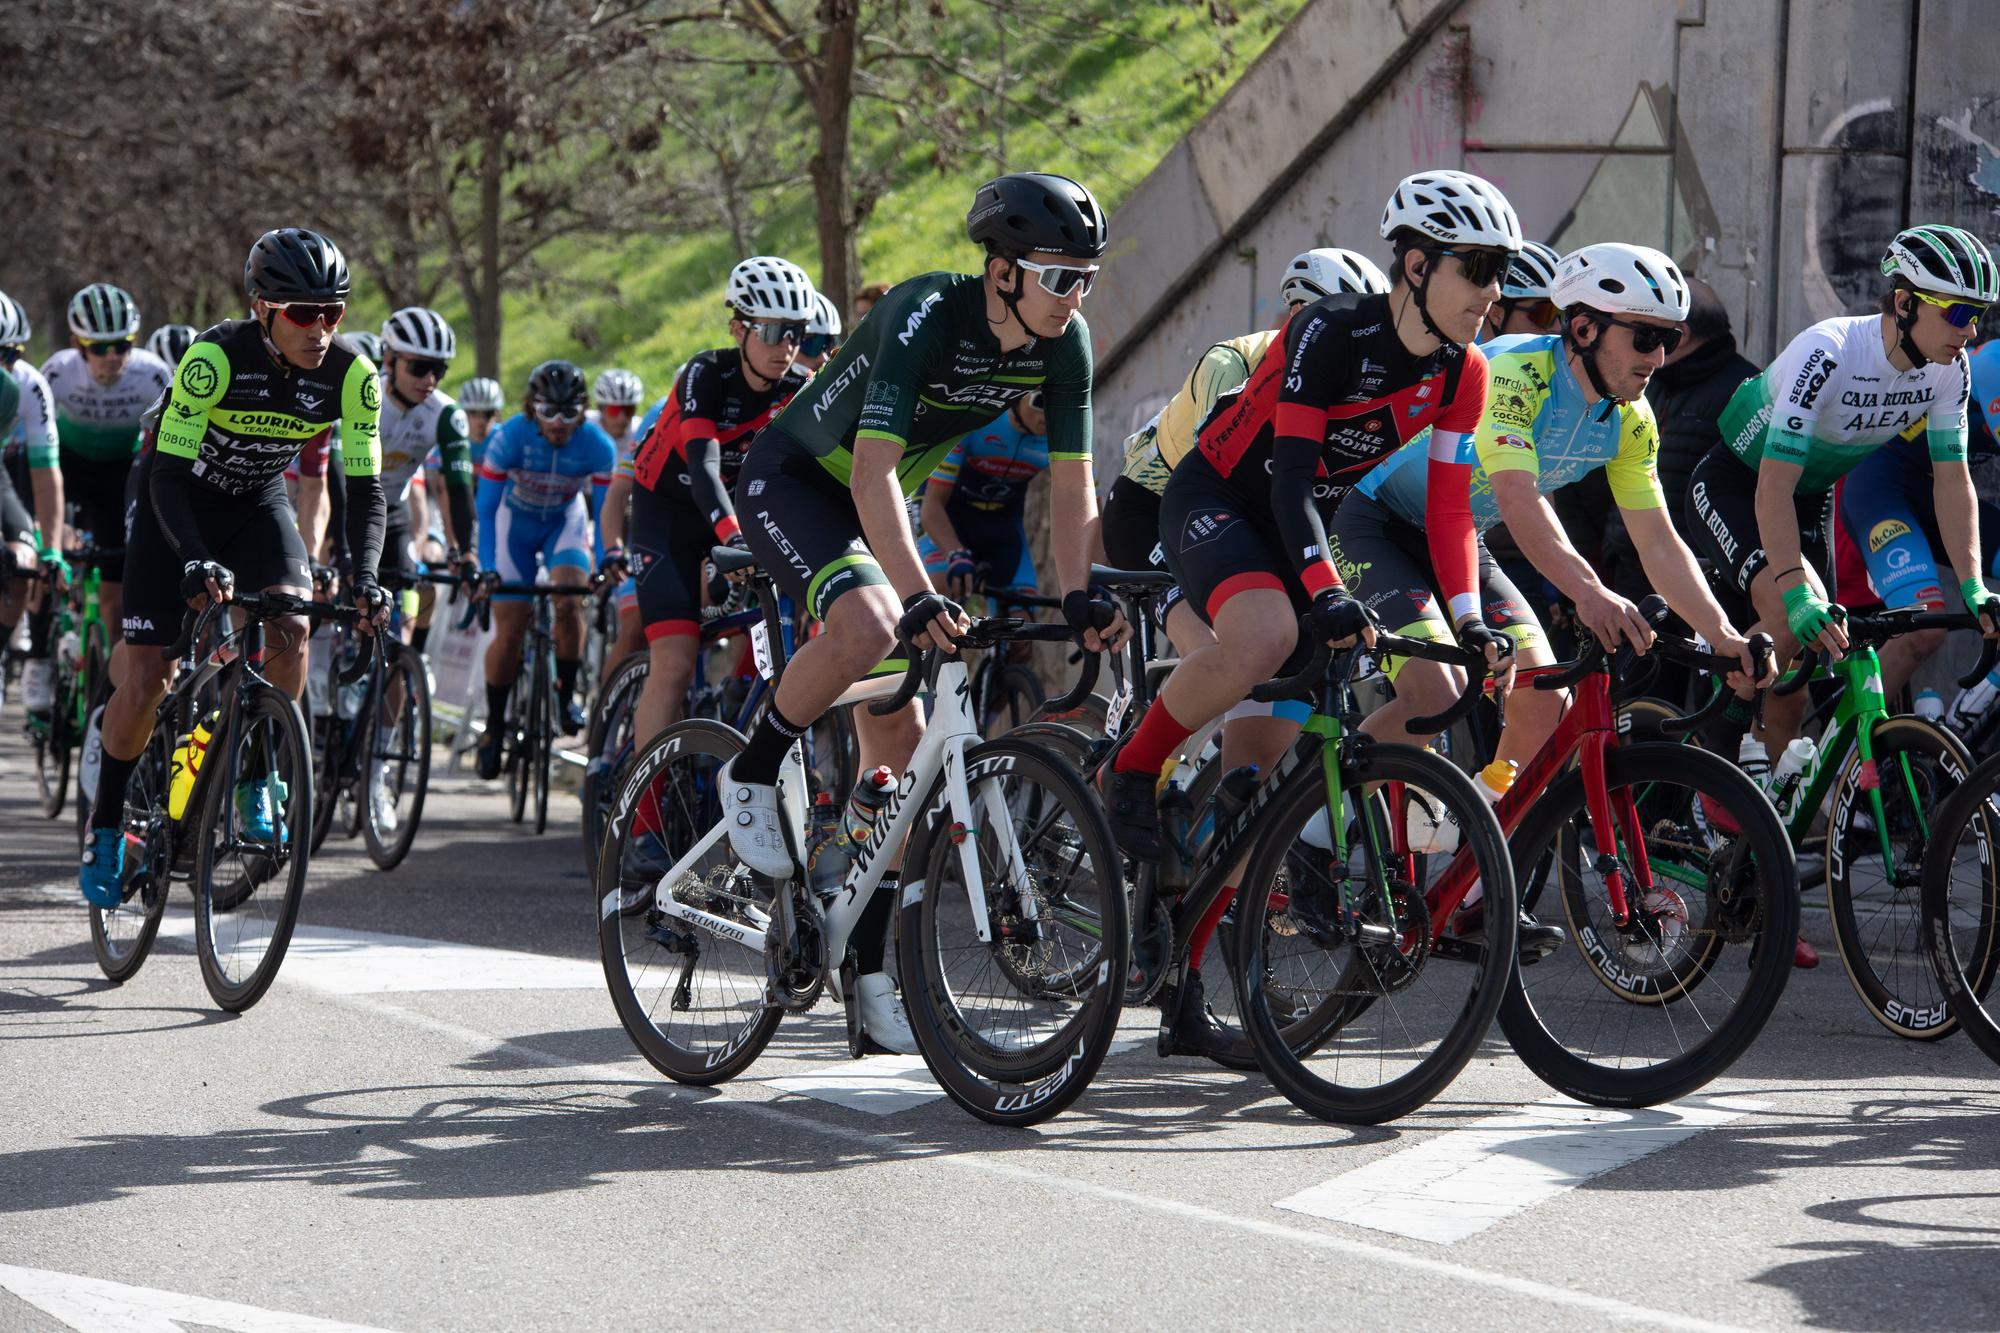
(1974, 591)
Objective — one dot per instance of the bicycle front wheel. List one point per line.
(1961, 904)
(1358, 1011)
(544, 730)
(691, 996)
(54, 743)
(1639, 1011)
(1015, 1026)
(1874, 872)
(520, 741)
(399, 769)
(250, 847)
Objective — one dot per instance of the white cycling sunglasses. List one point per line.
(1062, 279)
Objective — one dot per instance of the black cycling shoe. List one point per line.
(1135, 816)
(1315, 909)
(573, 718)
(1537, 941)
(489, 757)
(1193, 1029)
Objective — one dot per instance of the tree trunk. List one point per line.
(833, 185)
(486, 303)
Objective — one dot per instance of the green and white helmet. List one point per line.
(103, 313)
(14, 327)
(367, 344)
(1944, 261)
(482, 395)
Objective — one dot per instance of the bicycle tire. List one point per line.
(519, 742)
(1966, 832)
(52, 748)
(1627, 972)
(122, 937)
(327, 734)
(1376, 974)
(1028, 1085)
(411, 735)
(1879, 934)
(232, 988)
(545, 742)
(604, 747)
(628, 923)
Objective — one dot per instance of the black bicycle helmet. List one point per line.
(559, 384)
(1032, 210)
(293, 264)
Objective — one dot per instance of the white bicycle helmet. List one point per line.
(169, 341)
(482, 395)
(14, 327)
(1530, 273)
(618, 388)
(103, 313)
(1943, 261)
(368, 345)
(1317, 274)
(1455, 207)
(824, 318)
(417, 331)
(766, 287)
(1621, 280)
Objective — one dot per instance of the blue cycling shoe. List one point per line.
(101, 873)
(258, 801)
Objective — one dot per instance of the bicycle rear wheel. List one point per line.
(1639, 1013)
(691, 997)
(247, 885)
(53, 746)
(544, 731)
(1015, 1027)
(520, 741)
(1961, 904)
(1875, 899)
(399, 766)
(122, 936)
(1363, 1018)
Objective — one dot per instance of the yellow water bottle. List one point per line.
(186, 764)
(1497, 778)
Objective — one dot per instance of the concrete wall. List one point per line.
(1772, 146)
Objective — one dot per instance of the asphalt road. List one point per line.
(434, 1121)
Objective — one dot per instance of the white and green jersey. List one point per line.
(409, 435)
(35, 420)
(1832, 398)
(101, 422)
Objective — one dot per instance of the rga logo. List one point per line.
(1812, 378)
(1885, 532)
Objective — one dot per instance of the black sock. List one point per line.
(420, 636)
(39, 624)
(765, 753)
(871, 932)
(566, 669)
(496, 707)
(113, 775)
(1724, 733)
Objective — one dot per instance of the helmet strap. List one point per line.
(750, 375)
(271, 343)
(1904, 342)
(1419, 293)
(1011, 299)
(1588, 355)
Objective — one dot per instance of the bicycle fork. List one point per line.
(1594, 747)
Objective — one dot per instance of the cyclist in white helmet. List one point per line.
(483, 400)
(25, 404)
(1317, 274)
(822, 338)
(680, 477)
(1525, 305)
(170, 340)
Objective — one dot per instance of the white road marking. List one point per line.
(92, 1305)
(362, 962)
(1466, 1180)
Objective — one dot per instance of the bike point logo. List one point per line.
(198, 377)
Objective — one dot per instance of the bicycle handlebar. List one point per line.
(1869, 631)
(984, 633)
(1386, 644)
(1086, 681)
(270, 606)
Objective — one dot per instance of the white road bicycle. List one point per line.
(1008, 930)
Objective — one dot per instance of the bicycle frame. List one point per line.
(1861, 705)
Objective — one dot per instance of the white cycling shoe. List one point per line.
(750, 811)
(882, 1016)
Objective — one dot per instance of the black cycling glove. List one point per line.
(1336, 615)
(197, 573)
(921, 609)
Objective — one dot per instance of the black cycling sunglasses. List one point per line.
(1481, 267)
(818, 344)
(1647, 338)
(421, 368)
(110, 348)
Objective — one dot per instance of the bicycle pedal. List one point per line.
(1457, 950)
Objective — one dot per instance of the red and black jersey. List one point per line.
(1308, 425)
(696, 447)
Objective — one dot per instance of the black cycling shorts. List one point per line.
(255, 537)
(799, 521)
(668, 542)
(97, 491)
(1721, 522)
(1131, 529)
(17, 521)
(1385, 561)
(1213, 545)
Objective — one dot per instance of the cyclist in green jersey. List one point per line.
(247, 394)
